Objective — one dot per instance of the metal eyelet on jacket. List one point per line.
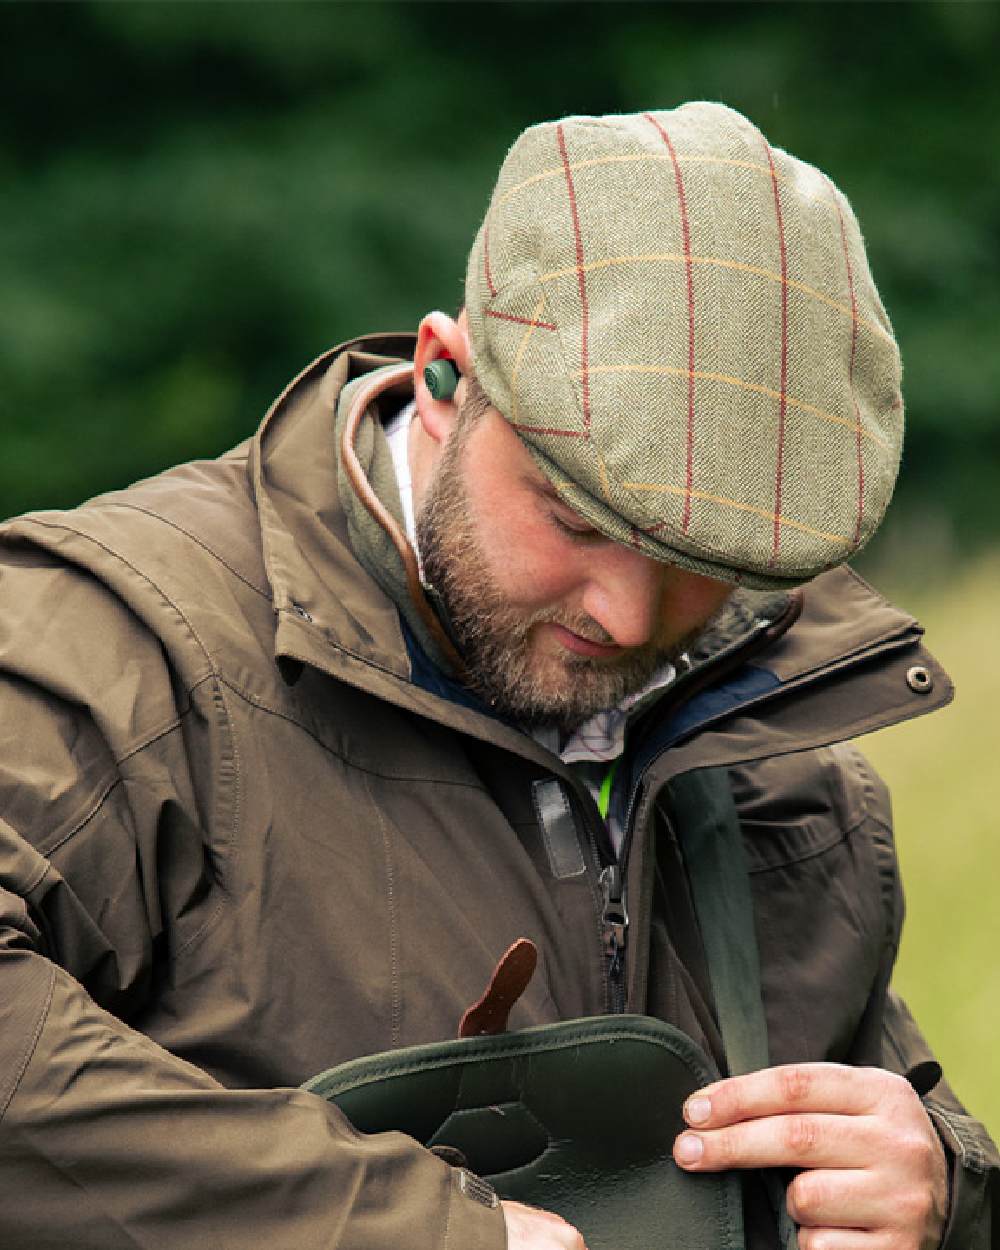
(919, 679)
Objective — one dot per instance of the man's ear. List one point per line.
(439, 336)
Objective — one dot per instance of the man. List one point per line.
(297, 743)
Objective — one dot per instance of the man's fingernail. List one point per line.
(689, 1148)
(697, 1110)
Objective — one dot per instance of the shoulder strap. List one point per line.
(708, 830)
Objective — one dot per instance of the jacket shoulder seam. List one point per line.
(214, 674)
(140, 573)
(154, 735)
(32, 1045)
(200, 542)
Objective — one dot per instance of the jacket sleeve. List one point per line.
(974, 1217)
(973, 1161)
(107, 1141)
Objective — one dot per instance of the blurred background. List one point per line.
(198, 198)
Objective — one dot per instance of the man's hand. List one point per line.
(874, 1173)
(531, 1229)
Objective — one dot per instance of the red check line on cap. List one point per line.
(584, 307)
(850, 375)
(686, 237)
(486, 261)
(783, 403)
(521, 321)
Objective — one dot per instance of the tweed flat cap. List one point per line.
(680, 322)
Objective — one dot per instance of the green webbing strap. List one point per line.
(708, 830)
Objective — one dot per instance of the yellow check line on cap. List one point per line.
(522, 347)
(674, 371)
(632, 158)
(722, 262)
(668, 489)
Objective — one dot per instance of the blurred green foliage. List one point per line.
(199, 197)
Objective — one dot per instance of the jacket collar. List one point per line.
(316, 578)
(334, 615)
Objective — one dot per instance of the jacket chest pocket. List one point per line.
(825, 891)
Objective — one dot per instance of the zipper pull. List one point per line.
(614, 923)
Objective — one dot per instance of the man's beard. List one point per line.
(496, 638)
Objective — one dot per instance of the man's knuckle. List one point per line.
(892, 1088)
(795, 1084)
(729, 1102)
(721, 1148)
(918, 1151)
(802, 1136)
(913, 1207)
(806, 1195)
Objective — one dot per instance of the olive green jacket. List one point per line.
(248, 831)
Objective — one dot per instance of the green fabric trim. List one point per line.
(604, 794)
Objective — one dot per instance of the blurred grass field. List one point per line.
(944, 774)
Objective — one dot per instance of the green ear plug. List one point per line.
(441, 378)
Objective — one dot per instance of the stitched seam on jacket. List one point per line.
(92, 811)
(29, 1051)
(395, 1001)
(259, 703)
(156, 516)
(225, 725)
(841, 833)
(232, 845)
(884, 853)
(972, 1156)
(107, 788)
(144, 577)
(153, 737)
(331, 640)
(813, 853)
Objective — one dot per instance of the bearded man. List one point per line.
(298, 742)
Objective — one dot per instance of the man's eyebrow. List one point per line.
(543, 487)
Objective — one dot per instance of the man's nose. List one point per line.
(624, 594)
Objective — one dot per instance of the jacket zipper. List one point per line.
(614, 931)
(614, 912)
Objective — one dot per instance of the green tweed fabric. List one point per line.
(680, 322)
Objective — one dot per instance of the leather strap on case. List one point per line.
(509, 981)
